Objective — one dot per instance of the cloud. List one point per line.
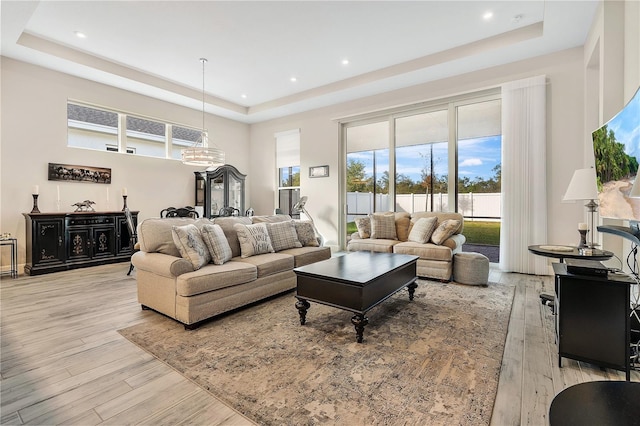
(471, 162)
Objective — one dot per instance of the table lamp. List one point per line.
(583, 186)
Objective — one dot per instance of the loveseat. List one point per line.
(194, 269)
(433, 236)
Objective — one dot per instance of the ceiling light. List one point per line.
(293, 79)
(80, 34)
(200, 154)
(243, 96)
(345, 62)
(487, 15)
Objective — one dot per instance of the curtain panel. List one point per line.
(524, 183)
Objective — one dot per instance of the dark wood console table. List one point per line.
(592, 321)
(61, 241)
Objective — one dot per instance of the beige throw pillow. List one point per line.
(254, 239)
(190, 245)
(217, 243)
(383, 226)
(446, 229)
(283, 235)
(306, 233)
(423, 229)
(364, 226)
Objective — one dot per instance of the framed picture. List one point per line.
(72, 173)
(318, 171)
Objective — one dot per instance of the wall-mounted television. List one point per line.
(616, 147)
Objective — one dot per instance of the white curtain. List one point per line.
(524, 185)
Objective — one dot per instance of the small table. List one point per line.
(13, 242)
(600, 403)
(355, 282)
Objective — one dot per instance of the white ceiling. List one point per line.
(254, 48)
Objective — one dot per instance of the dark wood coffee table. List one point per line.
(355, 282)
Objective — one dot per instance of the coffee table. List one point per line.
(355, 282)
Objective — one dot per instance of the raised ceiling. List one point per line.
(254, 48)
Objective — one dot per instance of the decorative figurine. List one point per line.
(84, 206)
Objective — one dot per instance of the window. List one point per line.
(288, 163)
(90, 127)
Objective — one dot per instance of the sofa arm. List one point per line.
(161, 264)
(356, 236)
(455, 242)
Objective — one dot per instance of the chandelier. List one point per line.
(201, 154)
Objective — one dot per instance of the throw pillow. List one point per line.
(446, 229)
(422, 229)
(190, 245)
(306, 233)
(254, 239)
(217, 243)
(383, 226)
(364, 226)
(283, 235)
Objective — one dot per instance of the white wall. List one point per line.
(320, 139)
(34, 133)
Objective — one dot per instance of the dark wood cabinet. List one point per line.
(61, 241)
(222, 187)
(592, 318)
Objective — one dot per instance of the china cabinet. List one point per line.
(220, 188)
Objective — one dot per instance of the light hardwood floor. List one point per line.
(63, 361)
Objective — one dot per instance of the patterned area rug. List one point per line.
(433, 361)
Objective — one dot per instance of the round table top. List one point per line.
(568, 252)
(597, 403)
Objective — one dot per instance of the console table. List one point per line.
(592, 321)
(61, 241)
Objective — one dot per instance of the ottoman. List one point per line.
(470, 268)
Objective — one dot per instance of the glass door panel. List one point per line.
(217, 194)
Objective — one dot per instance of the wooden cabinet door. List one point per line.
(48, 244)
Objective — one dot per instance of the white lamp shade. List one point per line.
(635, 190)
(583, 186)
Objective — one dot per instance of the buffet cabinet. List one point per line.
(61, 241)
(219, 188)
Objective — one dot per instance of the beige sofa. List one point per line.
(436, 260)
(169, 283)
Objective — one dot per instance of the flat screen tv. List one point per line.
(616, 147)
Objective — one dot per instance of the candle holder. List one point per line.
(583, 238)
(35, 204)
(124, 207)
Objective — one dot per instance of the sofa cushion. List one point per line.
(217, 243)
(214, 277)
(254, 239)
(383, 226)
(269, 263)
(403, 223)
(283, 235)
(445, 230)
(423, 229)
(442, 216)
(226, 223)
(307, 255)
(364, 226)
(306, 233)
(424, 251)
(189, 242)
(155, 235)
(271, 218)
(368, 244)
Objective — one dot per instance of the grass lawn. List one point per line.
(476, 232)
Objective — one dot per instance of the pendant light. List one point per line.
(200, 154)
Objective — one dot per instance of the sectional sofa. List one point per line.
(436, 239)
(194, 269)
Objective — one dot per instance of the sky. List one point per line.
(476, 158)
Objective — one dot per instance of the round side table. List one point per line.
(601, 403)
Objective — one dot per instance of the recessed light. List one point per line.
(345, 62)
(80, 34)
(293, 79)
(487, 15)
(243, 96)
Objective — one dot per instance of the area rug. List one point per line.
(434, 360)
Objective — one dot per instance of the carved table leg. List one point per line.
(359, 321)
(412, 289)
(302, 306)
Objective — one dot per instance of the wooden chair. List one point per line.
(133, 236)
(186, 211)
